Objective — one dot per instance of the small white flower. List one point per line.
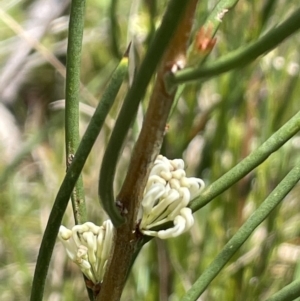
(104, 248)
(166, 197)
(182, 222)
(89, 246)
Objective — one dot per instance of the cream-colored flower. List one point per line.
(166, 197)
(89, 247)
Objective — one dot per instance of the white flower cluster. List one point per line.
(89, 247)
(166, 196)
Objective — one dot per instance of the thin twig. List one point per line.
(210, 27)
(114, 29)
(241, 57)
(108, 203)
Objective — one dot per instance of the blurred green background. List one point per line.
(214, 126)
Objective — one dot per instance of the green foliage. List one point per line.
(235, 130)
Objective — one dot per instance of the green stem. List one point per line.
(133, 98)
(216, 16)
(108, 203)
(277, 195)
(114, 29)
(241, 57)
(66, 188)
(249, 163)
(288, 293)
(76, 26)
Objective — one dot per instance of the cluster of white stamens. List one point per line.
(166, 196)
(89, 247)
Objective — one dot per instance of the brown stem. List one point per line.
(146, 149)
(150, 139)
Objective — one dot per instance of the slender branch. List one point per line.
(241, 57)
(66, 188)
(134, 96)
(210, 27)
(114, 29)
(76, 26)
(249, 163)
(288, 293)
(277, 195)
(216, 16)
(146, 149)
(107, 203)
